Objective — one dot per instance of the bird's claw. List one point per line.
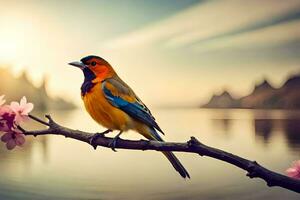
(113, 143)
(96, 136)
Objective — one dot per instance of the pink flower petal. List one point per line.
(7, 118)
(21, 109)
(20, 140)
(18, 119)
(27, 108)
(23, 101)
(11, 144)
(14, 106)
(294, 171)
(3, 126)
(291, 172)
(5, 109)
(6, 137)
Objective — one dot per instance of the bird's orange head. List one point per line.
(94, 68)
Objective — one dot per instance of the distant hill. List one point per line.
(260, 97)
(15, 88)
(263, 96)
(224, 100)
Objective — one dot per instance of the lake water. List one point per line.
(54, 167)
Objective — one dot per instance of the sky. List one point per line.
(171, 52)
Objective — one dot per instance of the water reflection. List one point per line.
(45, 148)
(224, 124)
(266, 129)
(263, 129)
(221, 122)
(35, 150)
(53, 167)
(292, 132)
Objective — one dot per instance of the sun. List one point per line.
(15, 35)
(8, 48)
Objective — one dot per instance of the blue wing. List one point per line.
(116, 94)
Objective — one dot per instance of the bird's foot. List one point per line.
(96, 136)
(113, 143)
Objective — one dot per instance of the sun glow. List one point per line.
(15, 34)
(9, 45)
(19, 36)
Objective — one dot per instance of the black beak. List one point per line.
(78, 64)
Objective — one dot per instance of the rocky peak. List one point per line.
(225, 93)
(293, 81)
(222, 100)
(263, 86)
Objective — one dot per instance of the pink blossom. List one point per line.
(2, 100)
(10, 117)
(7, 118)
(21, 109)
(294, 170)
(12, 139)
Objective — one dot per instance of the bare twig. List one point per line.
(192, 146)
(38, 120)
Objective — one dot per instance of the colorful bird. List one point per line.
(114, 105)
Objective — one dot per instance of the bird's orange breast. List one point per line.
(103, 112)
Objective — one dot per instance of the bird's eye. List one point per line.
(93, 63)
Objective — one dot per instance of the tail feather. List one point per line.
(171, 157)
(176, 164)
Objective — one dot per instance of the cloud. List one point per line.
(263, 38)
(209, 20)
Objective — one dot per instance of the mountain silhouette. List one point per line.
(224, 100)
(263, 96)
(15, 88)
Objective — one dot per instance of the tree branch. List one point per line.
(192, 146)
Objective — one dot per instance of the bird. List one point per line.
(115, 106)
